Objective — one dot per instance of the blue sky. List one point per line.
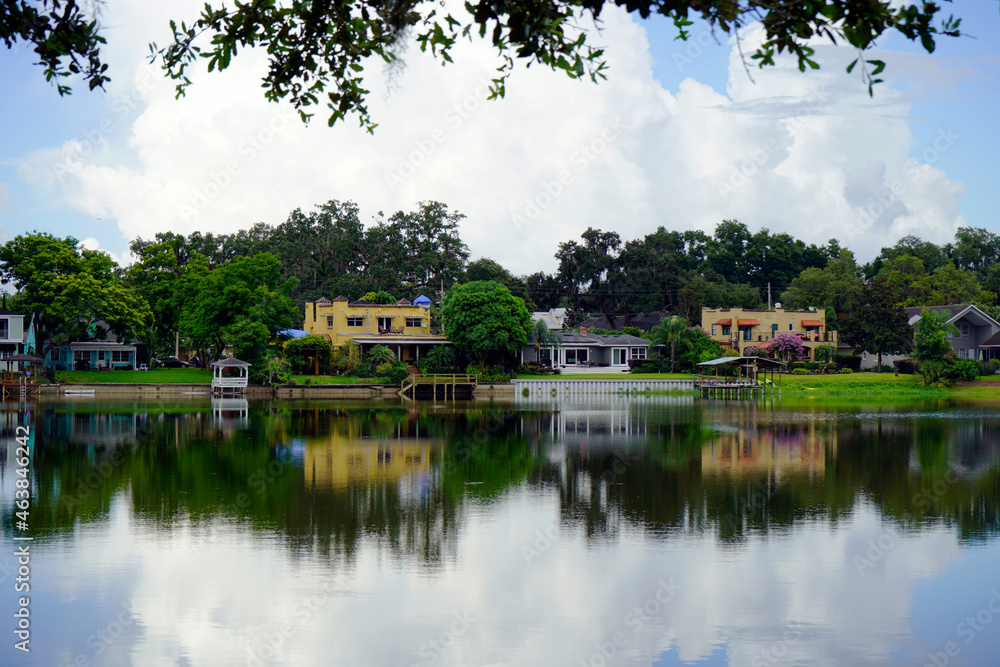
(678, 127)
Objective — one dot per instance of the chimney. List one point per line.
(583, 331)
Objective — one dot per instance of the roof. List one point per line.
(231, 363)
(644, 322)
(554, 318)
(402, 303)
(812, 323)
(727, 322)
(341, 298)
(10, 312)
(603, 340)
(992, 341)
(957, 310)
(732, 360)
(323, 301)
(748, 323)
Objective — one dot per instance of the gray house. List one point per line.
(978, 334)
(583, 353)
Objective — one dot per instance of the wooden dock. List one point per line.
(440, 386)
(728, 389)
(17, 389)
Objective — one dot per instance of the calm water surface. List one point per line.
(631, 531)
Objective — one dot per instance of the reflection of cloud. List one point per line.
(214, 591)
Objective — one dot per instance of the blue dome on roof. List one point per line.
(422, 301)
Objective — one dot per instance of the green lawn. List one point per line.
(158, 376)
(336, 379)
(610, 376)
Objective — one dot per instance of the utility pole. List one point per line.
(769, 295)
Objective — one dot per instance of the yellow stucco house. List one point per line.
(740, 328)
(403, 327)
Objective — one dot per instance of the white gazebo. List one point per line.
(229, 385)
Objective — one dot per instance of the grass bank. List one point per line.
(157, 376)
(610, 376)
(183, 376)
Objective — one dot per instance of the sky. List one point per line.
(680, 135)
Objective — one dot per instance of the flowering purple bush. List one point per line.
(787, 343)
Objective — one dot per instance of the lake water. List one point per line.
(584, 532)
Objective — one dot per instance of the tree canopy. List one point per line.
(485, 320)
(66, 289)
(877, 324)
(318, 52)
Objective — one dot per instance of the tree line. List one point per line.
(241, 288)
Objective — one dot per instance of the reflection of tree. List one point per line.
(664, 470)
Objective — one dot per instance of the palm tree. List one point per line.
(674, 332)
(543, 338)
(825, 352)
(380, 354)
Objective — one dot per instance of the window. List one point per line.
(100, 355)
(355, 321)
(746, 333)
(329, 321)
(637, 353)
(963, 330)
(4, 328)
(774, 330)
(619, 356)
(385, 323)
(80, 355)
(576, 356)
(725, 329)
(120, 355)
(414, 322)
(791, 325)
(715, 329)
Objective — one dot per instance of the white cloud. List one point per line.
(809, 154)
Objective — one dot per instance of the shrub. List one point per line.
(993, 365)
(488, 374)
(907, 366)
(731, 353)
(852, 361)
(846, 371)
(800, 371)
(647, 367)
(397, 373)
(831, 366)
(799, 365)
(960, 370)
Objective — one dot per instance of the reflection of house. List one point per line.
(344, 458)
(740, 328)
(777, 448)
(93, 428)
(403, 327)
(579, 351)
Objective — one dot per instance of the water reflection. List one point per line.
(612, 530)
